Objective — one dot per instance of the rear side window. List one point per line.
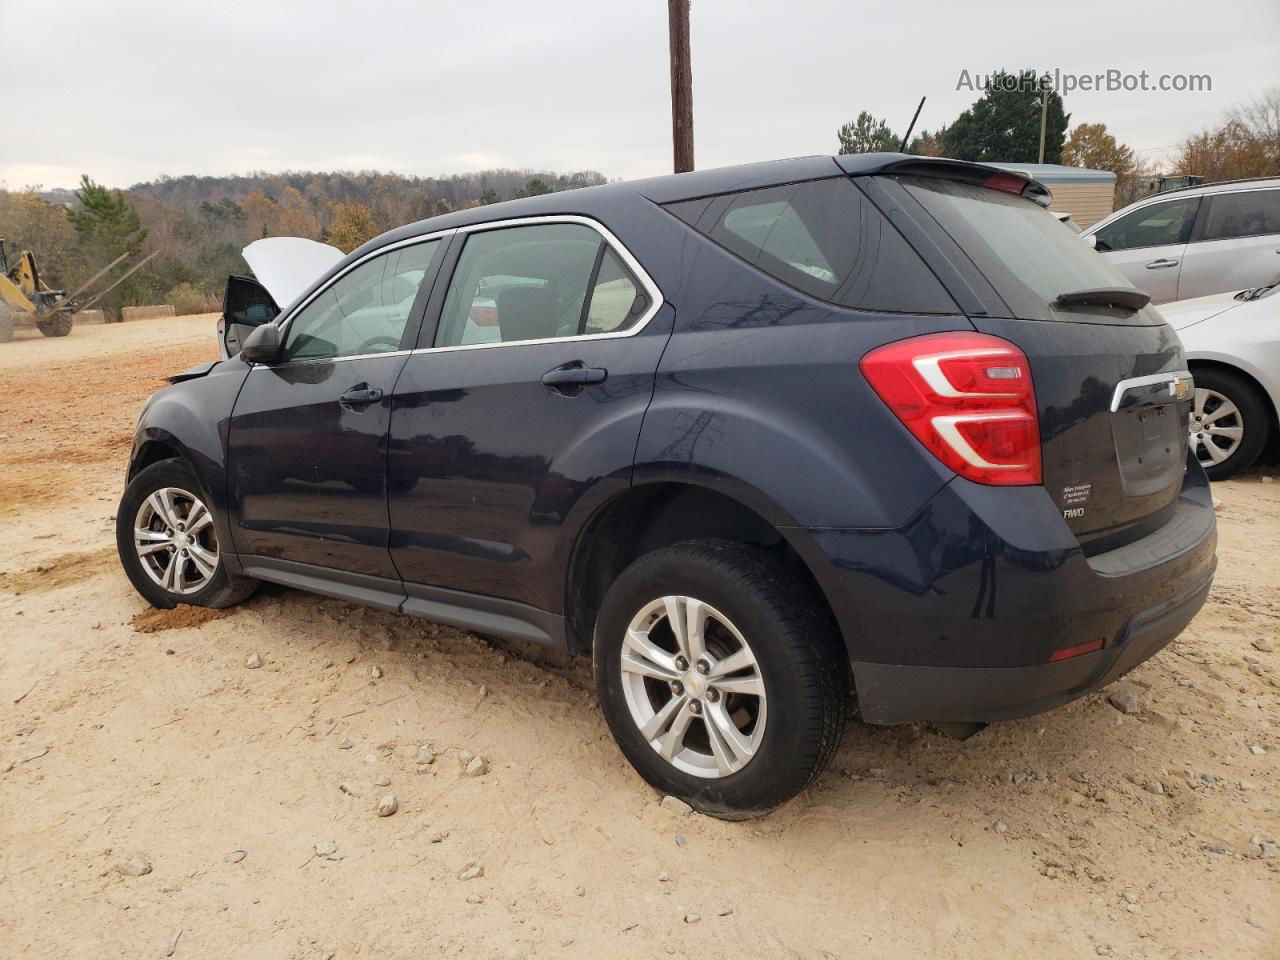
(1250, 213)
(538, 282)
(824, 238)
(1019, 247)
(1158, 225)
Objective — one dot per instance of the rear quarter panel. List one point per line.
(759, 394)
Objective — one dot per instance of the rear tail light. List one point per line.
(968, 398)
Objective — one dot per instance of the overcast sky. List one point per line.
(131, 90)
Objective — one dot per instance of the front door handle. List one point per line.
(360, 395)
(1161, 263)
(571, 377)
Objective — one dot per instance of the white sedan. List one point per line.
(1232, 342)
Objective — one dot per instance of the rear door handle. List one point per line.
(572, 377)
(360, 395)
(1161, 264)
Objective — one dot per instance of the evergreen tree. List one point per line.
(106, 223)
(867, 134)
(1004, 123)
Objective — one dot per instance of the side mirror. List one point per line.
(262, 345)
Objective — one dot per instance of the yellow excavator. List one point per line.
(26, 299)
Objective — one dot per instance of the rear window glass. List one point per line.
(823, 238)
(1019, 246)
(1250, 213)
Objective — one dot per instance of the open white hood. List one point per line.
(287, 266)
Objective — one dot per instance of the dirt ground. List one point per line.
(132, 738)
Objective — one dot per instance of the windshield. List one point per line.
(1020, 248)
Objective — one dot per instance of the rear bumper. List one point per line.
(958, 614)
(889, 693)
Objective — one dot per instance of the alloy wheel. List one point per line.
(693, 687)
(1216, 427)
(175, 541)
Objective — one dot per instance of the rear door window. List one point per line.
(1020, 248)
(824, 238)
(538, 282)
(1250, 213)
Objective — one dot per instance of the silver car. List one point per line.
(1197, 241)
(1232, 344)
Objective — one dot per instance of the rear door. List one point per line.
(1235, 247)
(1111, 383)
(526, 400)
(1148, 245)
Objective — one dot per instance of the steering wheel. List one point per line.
(391, 343)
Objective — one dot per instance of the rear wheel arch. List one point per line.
(651, 516)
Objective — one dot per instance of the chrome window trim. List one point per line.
(633, 265)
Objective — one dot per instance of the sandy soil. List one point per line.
(130, 735)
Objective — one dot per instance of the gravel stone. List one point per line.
(133, 867)
(1154, 786)
(235, 856)
(471, 871)
(1000, 827)
(476, 767)
(425, 755)
(253, 661)
(345, 743)
(387, 805)
(675, 805)
(376, 672)
(1124, 697)
(691, 918)
(1263, 644)
(1256, 750)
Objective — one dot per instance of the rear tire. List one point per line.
(149, 552)
(1215, 390)
(58, 325)
(782, 737)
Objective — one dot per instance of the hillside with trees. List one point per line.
(200, 224)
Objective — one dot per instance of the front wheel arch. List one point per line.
(1217, 374)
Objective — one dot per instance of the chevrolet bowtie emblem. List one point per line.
(1179, 389)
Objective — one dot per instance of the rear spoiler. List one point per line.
(978, 174)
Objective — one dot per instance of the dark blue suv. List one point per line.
(744, 436)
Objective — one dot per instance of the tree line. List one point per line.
(200, 224)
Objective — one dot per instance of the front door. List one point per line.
(1147, 246)
(529, 399)
(307, 439)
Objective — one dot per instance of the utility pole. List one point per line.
(1044, 112)
(681, 85)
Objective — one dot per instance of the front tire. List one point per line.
(1229, 423)
(168, 543)
(742, 703)
(59, 325)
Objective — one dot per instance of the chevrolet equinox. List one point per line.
(747, 437)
